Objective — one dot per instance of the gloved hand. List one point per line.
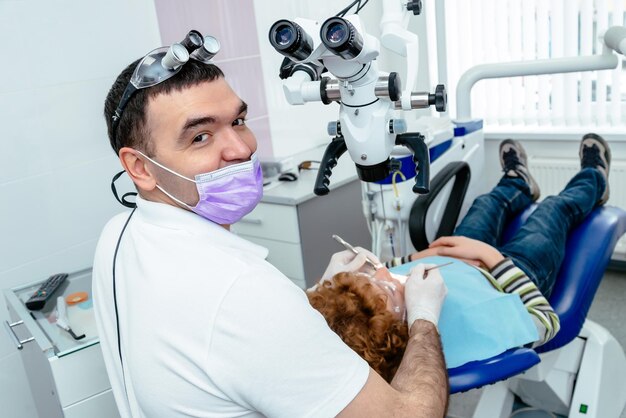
(347, 261)
(424, 296)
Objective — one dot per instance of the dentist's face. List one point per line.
(197, 130)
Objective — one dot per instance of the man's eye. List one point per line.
(239, 122)
(201, 138)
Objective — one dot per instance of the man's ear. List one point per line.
(137, 169)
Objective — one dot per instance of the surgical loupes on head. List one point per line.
(163, 63)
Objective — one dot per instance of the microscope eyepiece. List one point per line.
(336, 32)
(341, 37)
(284, 35)
(289, 39)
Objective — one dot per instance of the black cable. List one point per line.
(122, 200)
(343, 12)
(361, 6)
(117, 319)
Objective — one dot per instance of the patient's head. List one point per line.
(367, 312)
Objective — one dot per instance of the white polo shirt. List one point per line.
(209, 328)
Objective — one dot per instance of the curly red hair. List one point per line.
(359, 315)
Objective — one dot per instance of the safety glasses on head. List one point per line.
(395, 298)
(165, 62)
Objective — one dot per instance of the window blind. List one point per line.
(490, 31)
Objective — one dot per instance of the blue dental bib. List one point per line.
(477, 321)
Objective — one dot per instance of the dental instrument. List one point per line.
(348, 246)
(435, 267)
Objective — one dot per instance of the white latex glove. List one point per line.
(347, 261)
(424, 297)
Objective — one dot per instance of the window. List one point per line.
(491, 31)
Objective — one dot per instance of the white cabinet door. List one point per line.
(270, 221)
(101, 405)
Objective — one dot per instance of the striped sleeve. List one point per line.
(513, 280)
(397, 261)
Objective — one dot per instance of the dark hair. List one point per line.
(132, 130)
(359, 315)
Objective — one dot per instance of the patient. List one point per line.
(362, 311)
(367, 312)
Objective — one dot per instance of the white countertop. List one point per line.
(301, 190)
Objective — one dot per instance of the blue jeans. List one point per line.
(539, 246)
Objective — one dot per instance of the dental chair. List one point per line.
(582, 371)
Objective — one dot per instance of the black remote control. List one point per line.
(47, 288)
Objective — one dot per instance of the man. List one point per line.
(192, 320)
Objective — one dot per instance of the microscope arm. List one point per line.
(396, 37)
(421, 157)
(334, 150)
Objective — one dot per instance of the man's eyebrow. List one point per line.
(193, 122)
(207, 120)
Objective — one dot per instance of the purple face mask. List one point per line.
(226, 195)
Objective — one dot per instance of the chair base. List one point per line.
(586, 378)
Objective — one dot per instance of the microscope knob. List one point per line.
(334, 128)
(394, 86)
(286, 68)
(415, 6)
(439, 99)
(388, 86)
(397, 126)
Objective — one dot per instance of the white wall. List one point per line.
(298, 128)
(58, 61)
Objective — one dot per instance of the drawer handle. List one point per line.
(253, 221)
(18, 343)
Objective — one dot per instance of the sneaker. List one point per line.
(595, 153)
(514, 164)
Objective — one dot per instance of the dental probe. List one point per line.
(435, 267)
(402, 278)
(355, 251)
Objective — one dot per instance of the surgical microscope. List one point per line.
(336, 62)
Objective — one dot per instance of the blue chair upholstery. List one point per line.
(588, 252)
(479, 373)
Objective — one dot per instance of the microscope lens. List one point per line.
(284, 35)
(336, 33)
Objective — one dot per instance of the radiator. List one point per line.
(552, 174)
